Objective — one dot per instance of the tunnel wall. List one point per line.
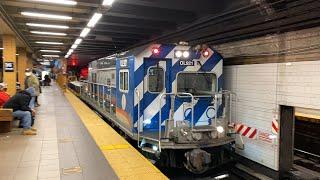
(267, 72)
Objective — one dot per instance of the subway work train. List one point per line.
(169, 98)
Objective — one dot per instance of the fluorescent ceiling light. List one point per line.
(1, 48)
(45, 42)
(48, 26)
(74, 46)
(107, 2)
(66, 56)
(78, 41)
(70, 51)
(50, 16)
(17, 54)
(50, 55)
(85, 32)
(48, 33)
(95, 18)
(65, 2)
(46, 50)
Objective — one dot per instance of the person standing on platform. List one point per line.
(4, 96)
(31, 80)
(19, 103)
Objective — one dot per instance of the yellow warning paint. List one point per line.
(124, 159)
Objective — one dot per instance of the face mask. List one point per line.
(28, 73)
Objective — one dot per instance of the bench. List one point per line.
(6, 119)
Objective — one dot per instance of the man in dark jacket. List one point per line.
(21, 110)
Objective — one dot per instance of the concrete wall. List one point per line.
(271, 71)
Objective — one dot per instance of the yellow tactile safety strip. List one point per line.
(125, 160)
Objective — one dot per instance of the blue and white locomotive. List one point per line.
(168, 98)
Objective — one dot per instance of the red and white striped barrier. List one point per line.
(246, 131)
(275, 126)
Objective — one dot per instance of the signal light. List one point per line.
(156, 51)
(205, 53)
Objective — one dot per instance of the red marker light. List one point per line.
(155, 51)
(205, 53)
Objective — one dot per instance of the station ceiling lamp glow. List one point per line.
(47, 50)
(47, 26)
(95, 18)
(74, 46)
(50, 55)
(107, 2)
(48, 33)
(78, 41)
(1, 48)
(64, 2)
(50, 16)
(84, 32)
(66, 56)
(46, 42)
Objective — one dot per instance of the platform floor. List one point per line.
(67, 148)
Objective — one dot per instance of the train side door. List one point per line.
(156, 82)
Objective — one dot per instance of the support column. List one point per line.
(22, 65)
(9, 56)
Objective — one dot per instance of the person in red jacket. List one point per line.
(4, 96)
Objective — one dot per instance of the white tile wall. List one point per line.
(261, 88)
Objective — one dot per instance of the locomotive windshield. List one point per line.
(198, 83)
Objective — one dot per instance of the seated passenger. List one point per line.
(4, 96)
(21, 110)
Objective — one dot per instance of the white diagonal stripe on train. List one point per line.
(145, 53)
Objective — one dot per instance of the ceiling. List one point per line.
(130, 23)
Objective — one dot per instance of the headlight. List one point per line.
(220, 129)
(155, 148)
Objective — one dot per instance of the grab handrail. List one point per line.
(160, 111)
(138, 119)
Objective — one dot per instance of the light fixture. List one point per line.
(70, 51)
(74, 46)
(186, 54)
(46, 42)
(48, 33)
(1, 48)
(47, 26)
(50, 55)
(178, 54)
(46, 50)
(107, 2)
(78, 41)
(220, 129)
(205, 53)
(17, 54)
(93, 21)
(84, 32)
(50, 16)
(65, 2)
(156, 51)
(66, 56)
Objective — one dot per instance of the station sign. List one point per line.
(8, 66)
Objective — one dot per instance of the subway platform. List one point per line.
(73, 143)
